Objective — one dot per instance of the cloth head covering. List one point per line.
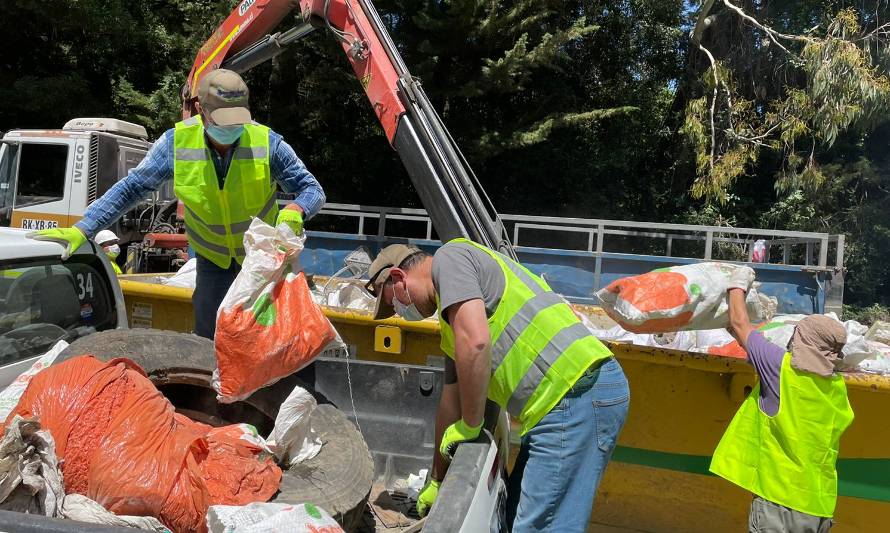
(816, 345)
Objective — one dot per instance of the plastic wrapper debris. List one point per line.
(880, 364)
(293, 439)
(879, 332)
(9, 397)
(344, 294)
(759, 251)
(677, 340)
(265, 517)
(30, 479)
(122, 445)
(80, 508)
(268, 326)
(185, 277)
(688, 297)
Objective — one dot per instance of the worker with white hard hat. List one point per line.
(109, 243)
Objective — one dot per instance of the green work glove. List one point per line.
(293, 218)
(455, 434)
(427, 496)
(70, 238)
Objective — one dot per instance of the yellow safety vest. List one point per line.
(539, 347)
(789, 458)
(216, 219)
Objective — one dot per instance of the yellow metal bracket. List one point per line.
(388, 339)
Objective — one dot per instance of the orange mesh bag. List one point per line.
(688, 297)
(268, 326)
(122, 445)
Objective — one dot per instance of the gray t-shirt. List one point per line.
(766, 358)
(463, 272)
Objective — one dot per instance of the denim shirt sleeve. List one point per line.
(293, 177)
(147, 177)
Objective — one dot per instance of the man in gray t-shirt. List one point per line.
(463, 272)
(511, 339)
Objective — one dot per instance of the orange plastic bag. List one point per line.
(268, 326)
(122, 445)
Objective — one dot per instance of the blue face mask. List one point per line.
(226, 135)
(407, 311)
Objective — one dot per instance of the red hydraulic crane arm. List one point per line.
(449, 190)
(247, 23)
(253, 19)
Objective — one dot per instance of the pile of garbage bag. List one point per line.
(122, 445)
(122, 448)
(866, 350)
(31, 481)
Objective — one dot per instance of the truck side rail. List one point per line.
(579, 256)
(816, 250)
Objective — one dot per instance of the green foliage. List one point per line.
(867, 315)
(834, 86)
(64, 59)
(592, 108)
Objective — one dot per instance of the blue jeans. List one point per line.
(211, 285)
(562, 459)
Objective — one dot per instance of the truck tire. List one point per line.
(181, 365)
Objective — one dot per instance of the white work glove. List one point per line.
(742, 278)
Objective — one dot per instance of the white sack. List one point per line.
(83, 509)
(266, 517)
(688, 297)
(185, 277)
(11, 395)
(293, 439)
(30, 478)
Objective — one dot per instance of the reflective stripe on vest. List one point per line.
(216, 219)
(789, 458)
(539, 347)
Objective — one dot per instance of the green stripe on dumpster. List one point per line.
(868, 479)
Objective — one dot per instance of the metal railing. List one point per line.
(815, 254)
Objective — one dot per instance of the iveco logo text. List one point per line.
(78, 163)
(245, 5)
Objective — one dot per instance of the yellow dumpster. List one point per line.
(681, 402)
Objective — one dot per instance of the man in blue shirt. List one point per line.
(224, 113)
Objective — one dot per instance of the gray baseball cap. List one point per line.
(224, 97)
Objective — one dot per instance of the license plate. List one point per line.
(34, 224)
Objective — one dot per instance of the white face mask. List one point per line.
(113, 251)
(408, 312)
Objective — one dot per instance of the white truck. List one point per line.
(48, 178)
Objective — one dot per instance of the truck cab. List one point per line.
(44, 300)
(48, 178)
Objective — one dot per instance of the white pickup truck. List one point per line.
(357, 475)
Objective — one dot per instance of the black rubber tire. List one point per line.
(338, 479)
